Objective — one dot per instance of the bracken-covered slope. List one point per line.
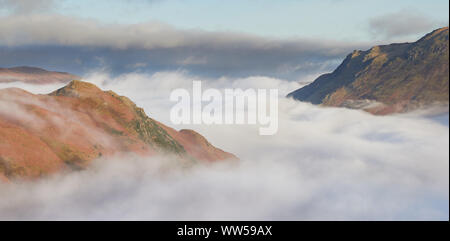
(67, 129)
(34, 75)
(387, 79)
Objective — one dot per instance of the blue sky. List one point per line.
(338, 19)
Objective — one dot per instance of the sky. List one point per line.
(293, 40)
(341, 19)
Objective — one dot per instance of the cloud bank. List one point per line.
(55, 29)
(27, 6)
(324, 163)
(78, 45)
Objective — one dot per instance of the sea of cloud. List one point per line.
(323, 164)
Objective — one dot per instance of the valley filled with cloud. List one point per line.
(324, 163)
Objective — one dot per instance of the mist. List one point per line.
(323, 164)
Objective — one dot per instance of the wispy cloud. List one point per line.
(402, 24)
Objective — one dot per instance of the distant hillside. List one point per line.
(34, 75)
(387, 79)
(67, 129)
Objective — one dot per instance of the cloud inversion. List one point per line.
(324, 163)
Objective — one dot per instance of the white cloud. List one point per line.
(324, 163)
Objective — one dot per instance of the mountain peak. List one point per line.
(78, 84)
(77, 88)
(438, 32)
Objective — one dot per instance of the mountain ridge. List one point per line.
(34, 75)
(386, 79)
(78, 123)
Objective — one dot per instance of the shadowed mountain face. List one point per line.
(34, 75)
(70, 127)
(387, 79)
